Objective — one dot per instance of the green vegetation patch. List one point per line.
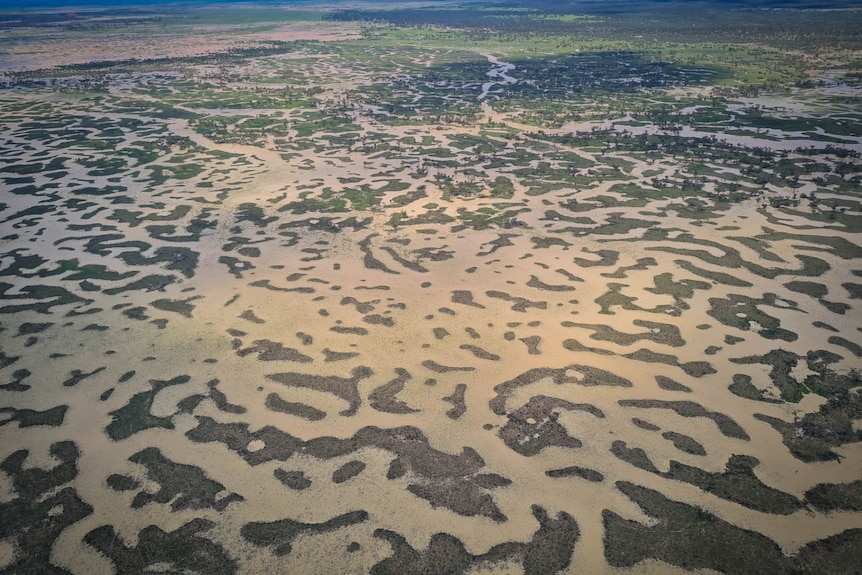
(740, 311)
(691, 538)
(135, 416)
(814, 436)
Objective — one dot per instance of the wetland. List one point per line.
(431, 288)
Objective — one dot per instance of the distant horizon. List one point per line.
(6, 5)
(40, 4)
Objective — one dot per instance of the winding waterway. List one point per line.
(499, 73)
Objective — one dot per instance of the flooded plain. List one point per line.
(333, 300)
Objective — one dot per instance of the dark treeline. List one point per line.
(680, 20)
